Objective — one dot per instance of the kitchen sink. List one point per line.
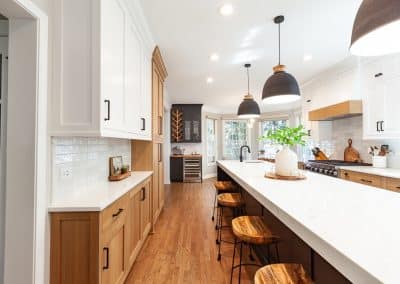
(253, 162)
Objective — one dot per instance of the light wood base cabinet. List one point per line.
(100, 247)
(392, 184)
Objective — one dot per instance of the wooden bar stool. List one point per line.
(227, 200)
(222, 187)
(282, 273)
(251, 230)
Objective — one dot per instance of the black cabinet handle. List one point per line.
(143, 124)
(108, 110)
(365, 180)
(107, 250)
(378, 75)
(143, 194)
(377, 126)
(118, 212)
(381, 124)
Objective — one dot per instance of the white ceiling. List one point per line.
(188, 31)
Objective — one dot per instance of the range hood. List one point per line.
(338, 111)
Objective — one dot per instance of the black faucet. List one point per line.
(241, 152)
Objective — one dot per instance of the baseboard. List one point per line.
(210, 176)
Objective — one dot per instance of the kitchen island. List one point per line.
(351, 226)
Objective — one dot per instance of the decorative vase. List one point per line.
(286, 162)
(379, 162)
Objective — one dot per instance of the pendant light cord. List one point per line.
(248, 81)
(279, 42)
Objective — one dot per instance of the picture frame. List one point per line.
(116, 165)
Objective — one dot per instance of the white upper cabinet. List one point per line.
(380, 86)
(102, 85)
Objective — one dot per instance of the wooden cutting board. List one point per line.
(351, 154)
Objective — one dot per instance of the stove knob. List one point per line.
(335, 173)
(321, 171)
(330, 172)
(326, 172)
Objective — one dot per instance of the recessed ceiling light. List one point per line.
(226, 9)
(307, 57)
(214, 57)
(210, 80)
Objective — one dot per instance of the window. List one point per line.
(211, 141)
(270, 148)
(235, 134)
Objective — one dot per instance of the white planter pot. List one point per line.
(379, 162)
(286, 163)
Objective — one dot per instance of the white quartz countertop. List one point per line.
(99, 196)
(353, 226)
(393, 173)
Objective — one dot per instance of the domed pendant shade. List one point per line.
(249, 107)
(281, 87)
(376, 29)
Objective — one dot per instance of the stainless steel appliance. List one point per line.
(330, 167)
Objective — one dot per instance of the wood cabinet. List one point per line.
(148, 156)
(100, 247)
(366, 179)
(380, 86)
(102, 71)
(388, 183)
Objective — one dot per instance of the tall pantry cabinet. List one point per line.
(148, 155)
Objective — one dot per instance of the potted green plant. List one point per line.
(286, 161)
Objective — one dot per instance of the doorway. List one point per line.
(25, 160)
(3, 108)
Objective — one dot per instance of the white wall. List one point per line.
(80, 163)
(4, 52)
(21, 153)
(352, 128)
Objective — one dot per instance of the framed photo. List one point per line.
(116, 166)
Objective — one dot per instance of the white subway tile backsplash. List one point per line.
(343, 129)
(83, 162)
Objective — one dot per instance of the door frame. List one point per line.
(26, 257)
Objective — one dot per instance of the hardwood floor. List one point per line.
(183, 249)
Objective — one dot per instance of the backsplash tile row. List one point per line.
(343, 129)
(79, 163)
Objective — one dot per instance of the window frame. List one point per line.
(215, 124)
(248, 133)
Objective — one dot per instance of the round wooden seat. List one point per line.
(225, 186)
(252, 230)
(282, 273)
(230, 199)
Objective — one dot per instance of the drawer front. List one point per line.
(114, 212)
(362, 178)
(392, 184)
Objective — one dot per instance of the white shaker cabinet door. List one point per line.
(391, 100)
(146, 99)
(133, 80)
(113, 26)
(373, 107)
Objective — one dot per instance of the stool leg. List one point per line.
(233, 258)
(220, 234)
(215, 200)
(240, 263)
(251, 257)
(277, 253)
(217, 223)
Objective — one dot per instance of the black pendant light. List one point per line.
(281, 87)
(249, 107)
(376, 28)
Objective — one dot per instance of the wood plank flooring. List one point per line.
(183, 249)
